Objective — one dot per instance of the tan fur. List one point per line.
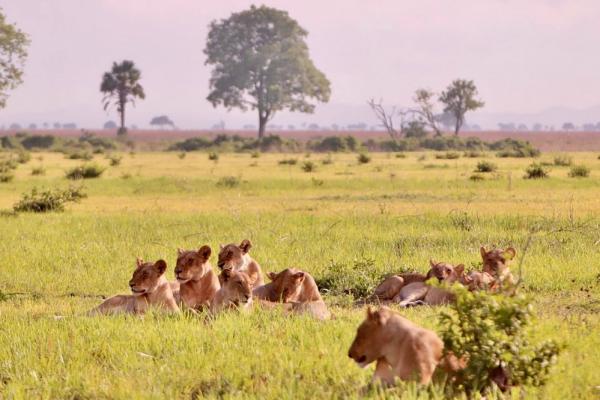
(418, 293)
(235, 292)
(196, 280)
(401, 348)
(232, 256)
(297, 288)
(495, 263)
(477, 280)
(150, 289)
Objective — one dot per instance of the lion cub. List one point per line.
(149, 287)
(297, 290)
(401, 348)
(235, 292)
(495, 263)
(418, 293)
(197, 282)
(237, 258)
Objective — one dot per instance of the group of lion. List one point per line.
(401, 348)
(240, 285)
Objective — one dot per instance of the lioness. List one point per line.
(235, 292)
(477, 280)
(149, 287)
(418, 293)
(198, 284)
(391, 286)
(401, 348)
(237, 258)
(495, 263)
(297, 289)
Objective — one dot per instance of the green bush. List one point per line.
(514, 148)
(493, 332)
(85, 171)
(23, 157)
(255, 154)
(363, 158)
(114, 160)
(37, 141)
(6, 177)
(563, 161)
(212, 156)
(48, 200)
(473, 154)
(358, 279)
(450, 155)
(288, 161)
(536, 171)
(192, 144)
(335, 144)
(477, 178)
(309, 166)
(579, 171)
(79, 155)
(229, 181)
(485, 166)
(38, 170)
(400, 155)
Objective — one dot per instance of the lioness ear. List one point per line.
(459, 269)
(226, 274)
(246, 245)
(204, 252)
(299, 276)
(161, 266)
(180, 251)
(139, 262)
(432, 262)
(510, 253)
(375, 316)
(272, 275)
(483, 252)
(221, 246)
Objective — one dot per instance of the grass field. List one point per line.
(388, 215)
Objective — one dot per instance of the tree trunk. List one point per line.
(122, 116)
(262, 125)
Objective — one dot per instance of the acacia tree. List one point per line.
(162, 120)
(458, 99)
(13, 53)
(426, 110)
(261, 62)
(121, 86)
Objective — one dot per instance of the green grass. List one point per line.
(60, 264)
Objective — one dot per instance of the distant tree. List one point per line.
(475, 127)
(13, 53)
(291, 127)
(460, 98)
(249, 127)
(522, 127)
(110, 125)
(14, 127)
(161, 121)
(415, 129)
(260, 61)
(537, 127)
(121, 86)
(69, 125)
(568, 126)
(392, 120)
(425, 110)
(589, 127)
(45, 125)
(313, 127)
(506, 126)
(32, 126)
(447, 119)
(56, 125)
(598, 126)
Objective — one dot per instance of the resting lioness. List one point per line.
(401, 348)
(235, 292)
(149, 287)
(418, 293)
(391, 286)
(198, 284)
(477, 280)
(495, 263)
(297, 289)
(237, 258)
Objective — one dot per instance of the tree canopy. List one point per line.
(13, 53)
(458, 98)
(261, 62)
(162, 120)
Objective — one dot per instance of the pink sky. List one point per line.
(525, 56)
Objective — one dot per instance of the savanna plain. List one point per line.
(342, 220)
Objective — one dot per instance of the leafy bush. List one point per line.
(473, 154)
(38, 170)
(182, 155)
(96, 142)
(309, 166)
(358, 279)
(48, 200)
(23, 157)
(477, 178)
(229, 181)
(114, 160)
(192, 144)
(80, 155)
(451, 155)
(8, 165)
(255, 154)
(363, 158)
(6, 177)
(493, 333)
(536, 171)
(400, 155)
(289, 161)
(327, 161)
(335, 144)
(37, 141)
(85, 171)
(579, 171)
(212, 156)
(485, 166)
(514, 148)
(563, 161)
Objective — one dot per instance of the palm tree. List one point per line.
(121, 86)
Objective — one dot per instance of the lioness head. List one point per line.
(288, 284)
(445, 272)
(146, 276)
(192, 264)
(495, 261)
(232, 256)
(236, 287)
(371, 337)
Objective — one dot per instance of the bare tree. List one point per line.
(387, 119)
(425, 109)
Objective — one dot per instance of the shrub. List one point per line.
(99, 144)
(514, 148)
(255, 154)
(48, 200)
(485, 166)
(450, 155)
(579, 171)
(358, 279)
(38, 141)
(182, 155)
(85, 171)
(536, 171)
(229, 181)
(400, 155)
(477, 178)
(473, 154)
(80, 155)
(289, 161)
(38, 170)
(114, 160)
(317, 182)
(335, 144)
(308, 166)
(212, 156)
(563, 161)
(192, 144)
(6, 177)
(493, 332)
(23, 157)
(327, 161)
(8, 165)
(363, 158)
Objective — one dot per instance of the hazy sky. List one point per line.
(524, 55)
